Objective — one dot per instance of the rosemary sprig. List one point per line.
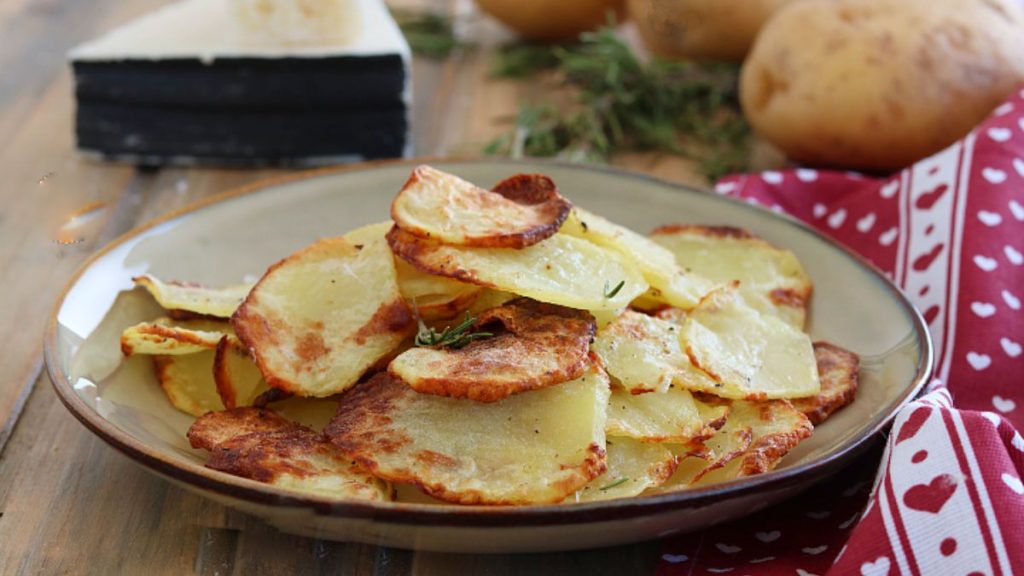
(611, 293)
(429, 34)
(623, 104)
(450, 337)
(522, 59)
(618, 482)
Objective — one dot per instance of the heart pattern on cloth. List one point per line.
(928, 199)
(888, 237)
(999, 134)
(768, 537)
(890, 189)
(990, 219)
(1013, 255)
(985, 263)
(772, 177)
(1011, 300)
(837, 218)
(1013, 483)
(913, 424)
(930, 497)
(879, 567)
(924, 261)
(819, 210)
(814, 550)
(1017, 210)
(979, 361)
(1003, 109)
(725, 187)
(993, 175)
(1004, 405)
(728, 549)
(1018, 165)
(865, 224)
(806, 175)
(675, 558)
(983, 309)
(1012, 349)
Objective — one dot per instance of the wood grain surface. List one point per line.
(68, 503)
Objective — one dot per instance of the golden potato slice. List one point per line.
(671, 417)
(166, 336)
(521, 211)
(642, 354)
(752, 356)
(838, 370)
(669, 283)
(560, 270)
(187, 380)
(235, 374)
(533, 345)
(771, 279)
(724, 447)
(632, 468)
(433, 297)
(535, 447)
(258, 444)
(191, 299)
(321, 317)
(775, 429)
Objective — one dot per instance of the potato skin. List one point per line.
(558, 20)
(876, 85)
(701, 29)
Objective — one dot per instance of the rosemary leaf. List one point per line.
(450, 337)
(611, 293)
(618, 482)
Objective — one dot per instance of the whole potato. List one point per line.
(876, 84)
(553, 19)
(701, 29)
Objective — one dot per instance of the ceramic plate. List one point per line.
(237, 235)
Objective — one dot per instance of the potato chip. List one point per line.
(838, 371)
(632, 468)
(771, 279)
(751, 355)
(726, 446)
(190, 298)
(533, 345)
(321, 317)
(235, 374)
(775, 428)
(534, 447)
(669, 283)
(671, 417)
(258, 444)
(521, 211)
(166, 336)
(560, 270)
(187, 380)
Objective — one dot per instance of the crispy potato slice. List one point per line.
(190, 298)
(560, 270)
(534, 345)
(672, 417)
(726, 446)
(535, 447)
(521, 211)
(235, 374)
(669, 283)
(771, 279)
(751, 355)
(838, 371)
(632, 468)
(187, 380)
(321, 317)
(642, 354)
(775, 429)
(258, 444)
(433, 297)
(169, 337)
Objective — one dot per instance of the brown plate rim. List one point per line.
(467, 516)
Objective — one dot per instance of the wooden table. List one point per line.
(68, 502)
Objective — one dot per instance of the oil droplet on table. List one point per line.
(79, 224)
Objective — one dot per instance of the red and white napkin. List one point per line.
(948, 496)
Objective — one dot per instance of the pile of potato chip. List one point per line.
(502, 347)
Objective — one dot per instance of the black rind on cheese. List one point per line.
(166, 134)
(249, 83)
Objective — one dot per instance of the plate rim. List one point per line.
(416, 514)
